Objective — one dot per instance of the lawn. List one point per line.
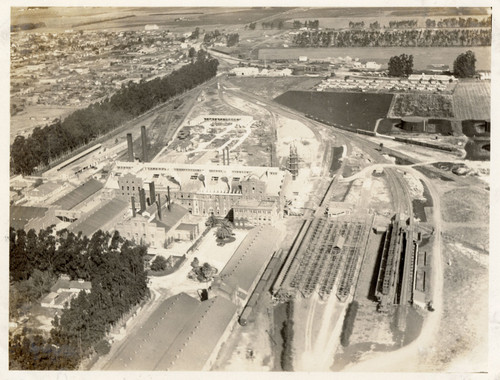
(349, 109)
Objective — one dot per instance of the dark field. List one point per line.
(419, 205)
(349, 109)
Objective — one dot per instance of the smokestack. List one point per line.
(224, 157)
(227, 155)
(142, 199)
(168, 197)
(130, 148)
(133, 206)
(144, 144)
(158, 206)
(152, 192)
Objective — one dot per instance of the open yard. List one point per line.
(471, 100)
(465, 205)
(269, 88)
(350, 109)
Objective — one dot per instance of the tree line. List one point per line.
(460, 22)
(112, 264)
(84, 125)
(389, 38)
(403, 24)
(312, 24)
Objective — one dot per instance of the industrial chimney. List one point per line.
(144, 145)
(142, 199)
(133, 206)
(227, 155)
(152, 192)
(224, 157)
(168, 197)
(130, 148)
(158, 206)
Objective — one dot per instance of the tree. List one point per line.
(195, 263)
(225, 230)
(401, 66)
(465, 65)
(252, 25)
(192, 52)
(211, 221)
(159, 264)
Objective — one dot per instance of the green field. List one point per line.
(349, 109)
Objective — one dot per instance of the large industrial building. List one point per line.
(186, 334)
(255, 194)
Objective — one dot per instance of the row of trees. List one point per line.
(403, 24)
(401, 66)
(356, 25)
(85, 125)
(399, 38)
(312, 24)
(460, 22)
(274, 24)
(113, 265)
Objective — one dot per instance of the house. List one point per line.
(245, 71)
(63, 291)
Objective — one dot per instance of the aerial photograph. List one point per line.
(266, 189)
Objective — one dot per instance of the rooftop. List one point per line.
(78, 195)
(21, 215)
(179, 335)
(187, 176)
(252, 255)
(95, 221)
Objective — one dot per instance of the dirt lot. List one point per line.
(463, 335)
(471, 100)
(465, 205)
(269, 88)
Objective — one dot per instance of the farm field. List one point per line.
(356, 110)
(421, 55)
(425, 105)
(92, 18)
(471, 100)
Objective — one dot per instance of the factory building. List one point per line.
(255, 194)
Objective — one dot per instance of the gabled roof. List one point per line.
(78, 195)
(21, 215)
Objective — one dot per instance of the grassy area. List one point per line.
(465, 205)
(350, 109)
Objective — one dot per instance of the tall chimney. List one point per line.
(168, 197)
(224, 156)
(130, 148)
(152, 192)
(142, 199)
(158, 206)
(133, 206)
(144, 145)
(227, 155)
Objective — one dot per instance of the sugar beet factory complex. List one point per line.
(284, 190)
